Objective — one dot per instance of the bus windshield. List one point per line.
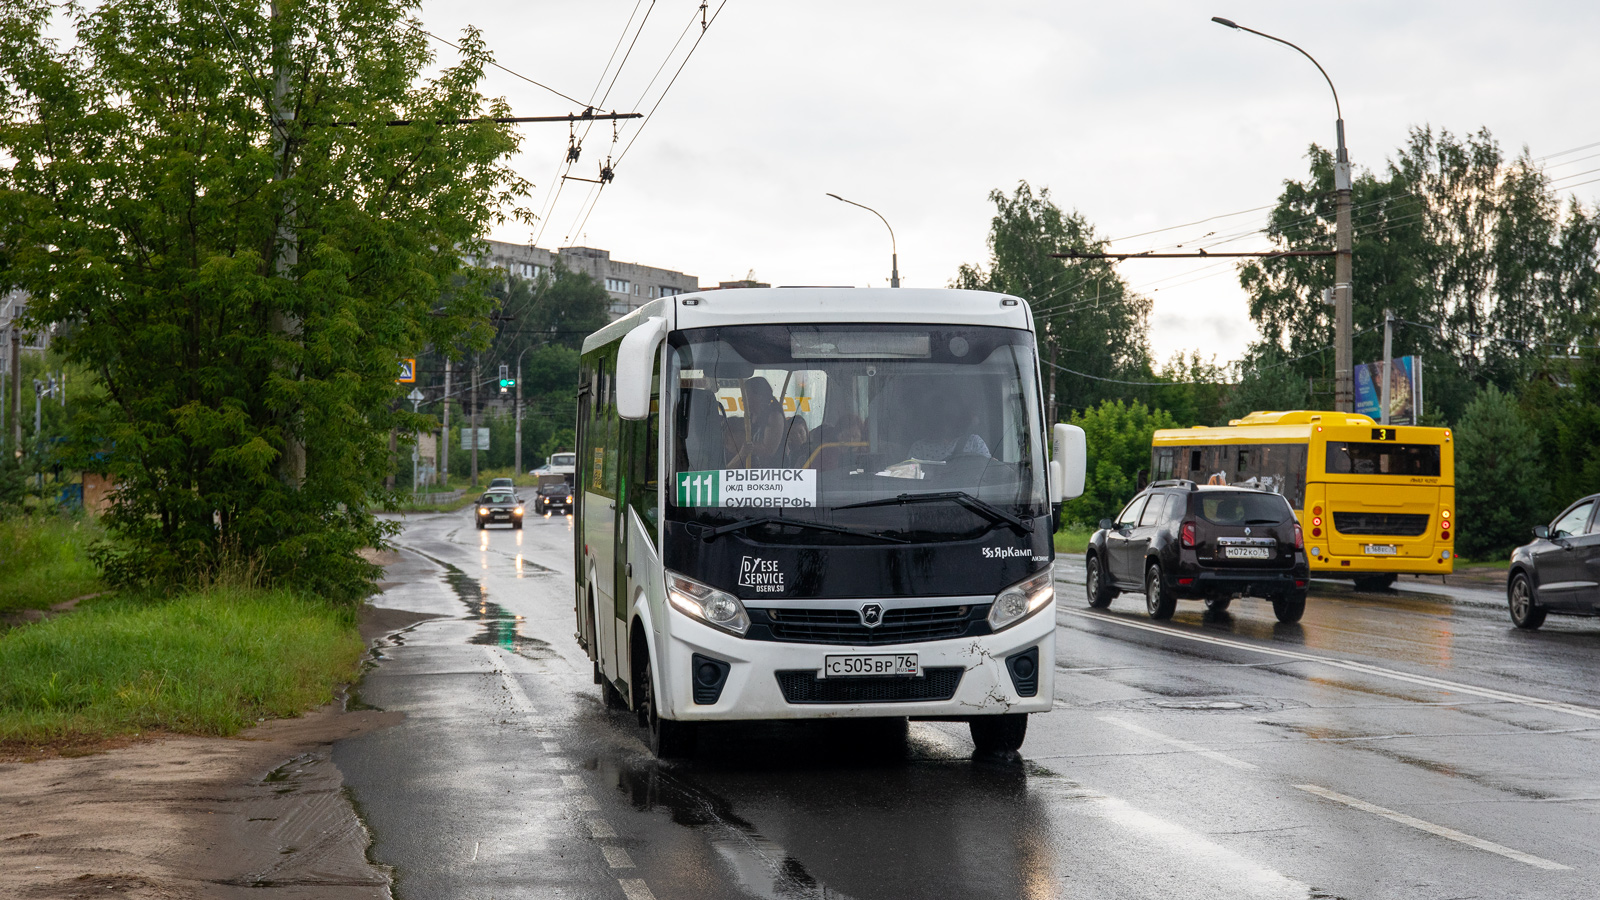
(805, 422)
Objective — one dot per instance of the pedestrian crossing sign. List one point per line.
(408, 371)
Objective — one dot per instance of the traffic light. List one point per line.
(506, 381)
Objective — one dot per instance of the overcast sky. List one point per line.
(1139, 115)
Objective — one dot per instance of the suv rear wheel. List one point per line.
(1218, 602)
(1158, 598)
(1101, 593)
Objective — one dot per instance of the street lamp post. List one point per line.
(894, 251)
(1344, 329)
(518, 471)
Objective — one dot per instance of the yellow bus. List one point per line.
(1375, 501)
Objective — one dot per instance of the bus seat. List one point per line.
(700, 421)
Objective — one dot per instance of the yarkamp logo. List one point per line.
(1005, 552)
(761, 574)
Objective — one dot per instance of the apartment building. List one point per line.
(629, 285)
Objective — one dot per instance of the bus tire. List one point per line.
(1100, 591)
(998, 735)
(1158, 599)
(1289, 607)
(1526, 613)
(668, 739)
(1375, 582)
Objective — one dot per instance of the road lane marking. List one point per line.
(600, 828)
(1364, 668)
(572, 782)
(585, 803)
(635, 889)
(552, 747)
(518, 696)
(474, 852)
(1223, 758)
(616, 857)
(1431, 828)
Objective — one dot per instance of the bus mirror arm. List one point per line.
(636, 359)
(1068, 459)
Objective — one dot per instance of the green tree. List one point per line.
(1118, 437)
(1088, 320)
(1472, 251)
(1501, 488)
(243, 298)
(1267, 381)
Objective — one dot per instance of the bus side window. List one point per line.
(1194, 464)
(644, 440)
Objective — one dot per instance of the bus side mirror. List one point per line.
(1069, 456)
(636, 360)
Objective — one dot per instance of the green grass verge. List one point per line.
(210, 662)
(44, 560)
(1073, 539)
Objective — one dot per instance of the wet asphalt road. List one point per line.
(1406, 745)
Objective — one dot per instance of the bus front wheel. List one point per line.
(997, 735)
(668, 739)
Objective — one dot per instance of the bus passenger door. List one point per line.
(599, 476)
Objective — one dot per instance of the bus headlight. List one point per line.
(711, 606)
(1022, 599)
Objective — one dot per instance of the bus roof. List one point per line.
(763, 306)
(1293, 425)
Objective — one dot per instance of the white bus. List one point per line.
(820, 503)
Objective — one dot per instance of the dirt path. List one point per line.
(263, 815)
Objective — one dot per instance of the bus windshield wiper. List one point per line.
(710, 534)
(994, 513)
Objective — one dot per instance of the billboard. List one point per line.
(466, 438)
(1405, 390)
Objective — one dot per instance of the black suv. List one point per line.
(1178, 540)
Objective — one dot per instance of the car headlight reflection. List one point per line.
(1022, 599)
(699, 601)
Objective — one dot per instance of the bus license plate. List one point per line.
(1382, 550)
(881, 664)
(1247, 552)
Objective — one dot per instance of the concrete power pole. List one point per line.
(16, 389)
(1344, 327)
(1388, 350)
(517, 471)
(444, 437)
(292, 467)
(474, 389)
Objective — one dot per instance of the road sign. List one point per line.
(408, 370)
(415, 396)
(466, 438)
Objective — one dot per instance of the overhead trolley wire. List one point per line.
(508, 71)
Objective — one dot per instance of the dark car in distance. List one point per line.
(1559, 572)
(499, 505)
(554, 494)
(1180, 540)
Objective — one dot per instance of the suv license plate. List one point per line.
(1381, 550)
(881, 664)
(1247, 553)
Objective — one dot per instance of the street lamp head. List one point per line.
(1228, 22)
(838, 198)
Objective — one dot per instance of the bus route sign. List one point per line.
(748, 487)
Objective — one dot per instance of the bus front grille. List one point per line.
(1397, 524)
(936, 683)
(843, 626)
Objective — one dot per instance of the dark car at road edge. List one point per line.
(1559, 571)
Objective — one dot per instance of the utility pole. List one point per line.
(292, 467)
(517, 469)
(1053, 371)
(16, 388)
(1388, 337)
(444, 437)
(1344, 397)
(1344, 328)
(474, 423)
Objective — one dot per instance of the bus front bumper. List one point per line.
(779, 680)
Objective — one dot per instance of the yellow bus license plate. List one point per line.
(1381, 550)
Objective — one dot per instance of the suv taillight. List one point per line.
(1186, 534)
(1299, 537)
